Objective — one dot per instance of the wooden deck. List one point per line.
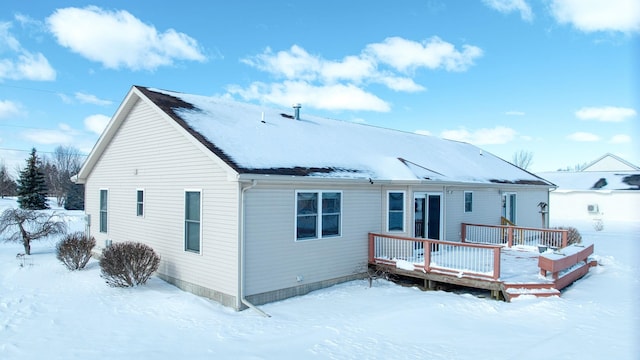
(491, 262)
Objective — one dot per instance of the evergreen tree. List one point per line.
(7, 185)
(32, 188)
(75, 197)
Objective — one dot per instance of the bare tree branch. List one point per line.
(523, 159)
(27, 225)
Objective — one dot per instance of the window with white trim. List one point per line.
(318, 214)
(139, 202)
(468, 201)
(192, 210)
(104, 195)
(395, 211)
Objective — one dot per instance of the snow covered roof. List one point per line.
(254, 139)
(594, 180)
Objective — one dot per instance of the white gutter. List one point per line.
(288, 179)
(243, 300)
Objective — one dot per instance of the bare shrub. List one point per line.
(74, 251)
(128, 264)
(573, 236)
(378, 272)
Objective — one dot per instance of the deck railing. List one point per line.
(513, 235)
(457, 258)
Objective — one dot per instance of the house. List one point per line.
(607, 189)
(610, 162)
(248, 204)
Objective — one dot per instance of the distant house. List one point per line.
(608, 189)
(248, 205)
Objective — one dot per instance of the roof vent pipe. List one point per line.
(296, 111)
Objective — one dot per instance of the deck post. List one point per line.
(565, 238)
(463, 232)
(371, 247)
(426, 246)
(509, 236)
(496, 263)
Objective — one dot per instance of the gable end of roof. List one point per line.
(169, 104)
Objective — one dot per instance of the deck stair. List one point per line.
(562, 267)
(566, 265)
(512, 291)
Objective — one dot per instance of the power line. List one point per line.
(27, 127)
(40, 152)
(30, 88)
(43, 90)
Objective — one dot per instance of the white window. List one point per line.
(139, 202)
(104, 195)
(318, 214)
(192, 212)
(468, 201)
(395, 211)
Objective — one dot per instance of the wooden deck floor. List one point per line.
(521, 272)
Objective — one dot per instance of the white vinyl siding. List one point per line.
(487, 207)
(396, 210)
(270, 213)
(164, 163)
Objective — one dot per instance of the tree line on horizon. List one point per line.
(49, 176)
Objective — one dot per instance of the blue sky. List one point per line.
(556, 78)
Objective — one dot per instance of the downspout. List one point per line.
(242, 252)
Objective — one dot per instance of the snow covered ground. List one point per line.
(47, 312)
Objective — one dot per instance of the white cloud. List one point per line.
(7, 40)
(598, 15)
(9, 108)
(295, 64)
(24, 65)
(65, 98)
(91, 99)
(96, 123)
(400, 84)
(352, 68)
(496, 135)
(514, 113)
(118, 39)
(620, 139)
(583, 137)
(63, 136)
(606, 113)
(508, 6)
(340, 84)
(332, 97)
(403, 54)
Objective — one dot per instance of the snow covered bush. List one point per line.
(128, 264)
(74, 251)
